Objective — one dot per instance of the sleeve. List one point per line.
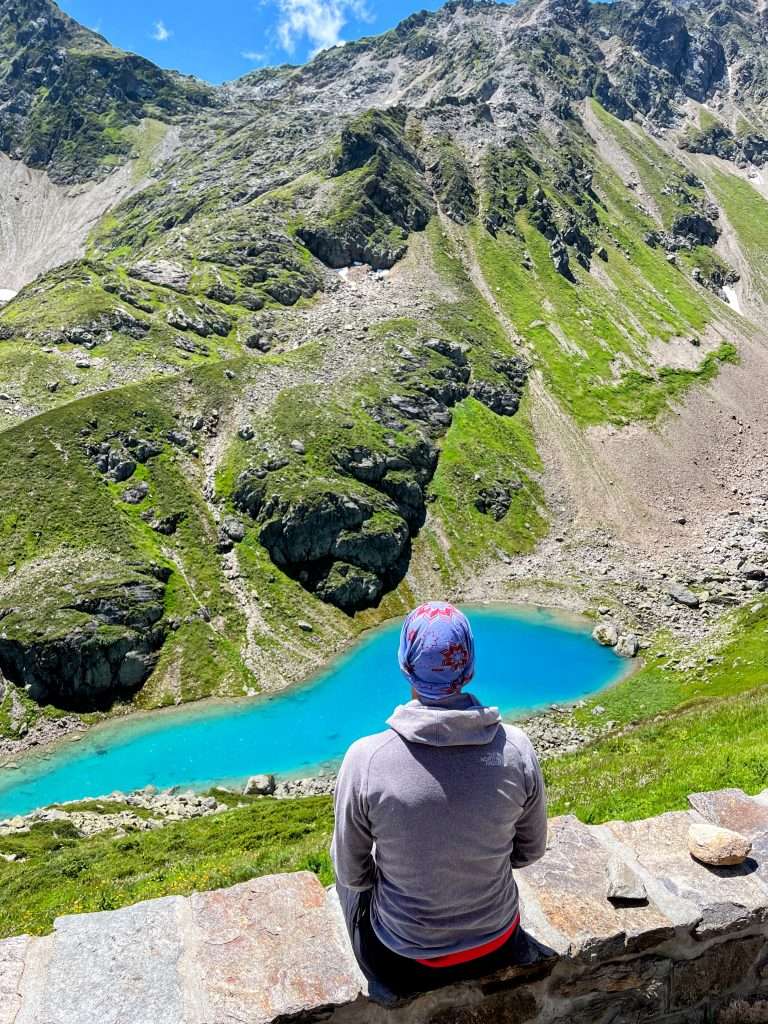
(352, 845)
(531, 829)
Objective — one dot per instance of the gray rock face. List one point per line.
(12, 953)
(88, 649)
(82, 78)
(118, 983)
(345, 546)
(162, 272)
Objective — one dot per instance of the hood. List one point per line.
(460, 721)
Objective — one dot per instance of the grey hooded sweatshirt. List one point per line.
(433, 815)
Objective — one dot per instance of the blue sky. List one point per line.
(227, 38)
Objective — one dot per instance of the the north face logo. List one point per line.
(493, 760)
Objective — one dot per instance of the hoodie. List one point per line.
(433, 815)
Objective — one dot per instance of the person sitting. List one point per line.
(432, 815)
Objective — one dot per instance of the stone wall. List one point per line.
(274, 949)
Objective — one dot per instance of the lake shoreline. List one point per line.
(50, 734)
(550, 734)
(531, 656)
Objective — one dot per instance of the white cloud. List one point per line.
(161, 33)
(318, 21)
(254, 56)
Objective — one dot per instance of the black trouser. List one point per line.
(391, 976)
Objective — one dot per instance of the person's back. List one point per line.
(433, 814)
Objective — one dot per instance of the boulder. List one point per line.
(135, 495)
(166, 525)
(165, 273)
(496, 499)
(606, 634)
(259, 785)
(627, 646)
(718, 847)
(682, 595)
(233, 528)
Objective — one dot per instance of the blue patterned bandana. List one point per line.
(437, 650)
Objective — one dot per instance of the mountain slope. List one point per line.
(68, 98)
(495, 332)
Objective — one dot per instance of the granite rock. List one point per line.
(566, 906)
(606, 634)
(112, 967)
(12, 953)
(624, 884)
(693, 895)
(270, 948)
(259, 785)
(720, 847)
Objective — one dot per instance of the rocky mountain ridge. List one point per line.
(309, 369)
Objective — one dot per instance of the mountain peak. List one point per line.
(67, 96)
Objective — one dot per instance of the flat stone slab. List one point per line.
(720, 897)
(268, 948)
(732, 808)
(114, 967)
(12, 952)
(275, 948)
(564, 901)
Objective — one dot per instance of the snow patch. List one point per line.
(6, 294)
(733, 298)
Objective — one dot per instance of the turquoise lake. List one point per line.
(525, 660)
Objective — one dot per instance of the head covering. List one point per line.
(437, 650)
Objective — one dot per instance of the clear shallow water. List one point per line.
(525, 660)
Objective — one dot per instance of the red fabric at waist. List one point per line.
(466, 955)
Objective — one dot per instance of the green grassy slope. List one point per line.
(596, 337)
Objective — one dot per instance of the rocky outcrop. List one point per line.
(92, 643)
(119, 813)
(166, 273)
(667, 54)
(675, 943)
(361, 222)
(340, 545)
(350, 545)
(65, 93)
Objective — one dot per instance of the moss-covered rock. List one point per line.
(81, 640)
